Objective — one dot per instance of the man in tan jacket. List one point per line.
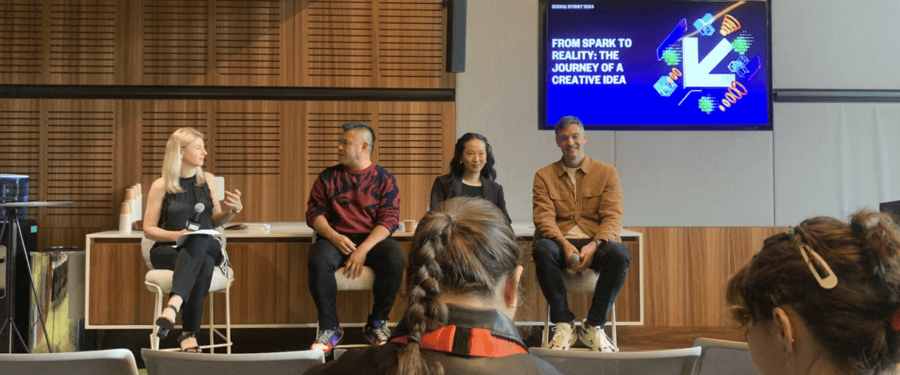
(577, 209)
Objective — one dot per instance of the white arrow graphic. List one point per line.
(697, 74)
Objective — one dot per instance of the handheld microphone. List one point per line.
(193, 225)
(574, 259)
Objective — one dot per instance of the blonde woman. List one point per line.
(170, 209)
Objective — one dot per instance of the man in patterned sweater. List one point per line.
(354, 207)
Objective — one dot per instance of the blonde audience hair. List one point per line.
(855, 321)
(463, 246)
(171, 169)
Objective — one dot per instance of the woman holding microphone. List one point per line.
(184, 199)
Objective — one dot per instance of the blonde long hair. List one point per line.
(171, 169)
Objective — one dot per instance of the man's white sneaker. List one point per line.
(563, 336)
(594, 338)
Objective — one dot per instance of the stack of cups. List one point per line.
(125, 218)
(132, 207)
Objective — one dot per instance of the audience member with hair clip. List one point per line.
(472, 174)
(464, 270)
(823, 298)
(171, 209)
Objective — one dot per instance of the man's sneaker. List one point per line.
(328, 339)
(594, 338)
(563, 336)
(378, 333)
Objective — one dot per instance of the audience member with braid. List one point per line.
(823, 298)
(464, 270)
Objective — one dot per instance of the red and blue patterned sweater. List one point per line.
(355, 201)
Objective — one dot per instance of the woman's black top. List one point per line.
(450, 186)
(178, 208)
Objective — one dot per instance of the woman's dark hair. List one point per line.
(456, 166)
(463, 246)
(854, 321)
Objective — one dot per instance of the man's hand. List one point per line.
(343, 244)
(568, 250)
(587, 256)
(354, 266)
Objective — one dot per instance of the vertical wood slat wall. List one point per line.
(302, 43)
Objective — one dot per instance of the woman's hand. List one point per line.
(178, 234)
(233, 201)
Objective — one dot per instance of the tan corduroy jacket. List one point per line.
(596, 207)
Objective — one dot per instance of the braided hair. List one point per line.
(856, 322)
(463, 246)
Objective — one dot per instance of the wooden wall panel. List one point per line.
(20, 140)
(337, 46)
(686, 270)
(82, 41)
(174, 47)
(246, 144)
(252, 43)
(210, 42)
(21, 42)
(79, 162)
(63, 42)
(411, 42)
(391, 44)
(311, 43)
(20, 143)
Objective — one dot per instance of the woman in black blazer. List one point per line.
(472, 174)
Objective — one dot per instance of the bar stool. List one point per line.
(160, 282)
(579, 282)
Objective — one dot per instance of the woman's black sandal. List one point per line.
(193, 349)
(165, 324)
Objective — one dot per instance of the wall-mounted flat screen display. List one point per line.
(656, 65)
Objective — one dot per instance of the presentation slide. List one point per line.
(657, 65)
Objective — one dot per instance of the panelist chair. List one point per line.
(365, 281)
(580, 282)
(160, 282)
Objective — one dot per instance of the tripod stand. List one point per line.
(13, 230)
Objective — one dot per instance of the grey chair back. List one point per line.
(723, 357)
(172, 363)
(661, 362)
(107, 362)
